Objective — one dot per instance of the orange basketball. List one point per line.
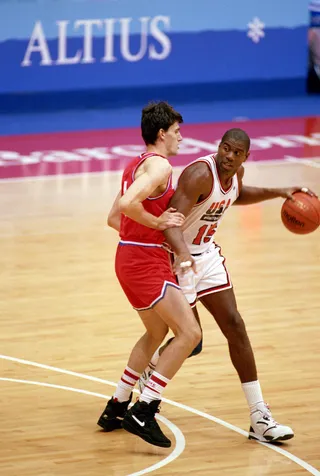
(302, 215)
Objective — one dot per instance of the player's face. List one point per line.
(231, 155)
(172, 138)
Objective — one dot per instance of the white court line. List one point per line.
(180, 440)
(283, 452)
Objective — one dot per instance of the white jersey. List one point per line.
(202, 222)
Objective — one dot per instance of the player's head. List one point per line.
(160, 125)
(233, 150)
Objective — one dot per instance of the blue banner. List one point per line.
(63, 45)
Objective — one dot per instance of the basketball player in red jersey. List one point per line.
(206, 189)
(143, 268)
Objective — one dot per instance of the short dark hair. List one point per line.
(156, 116)
(238, 135)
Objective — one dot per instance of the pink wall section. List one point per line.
(101, 150)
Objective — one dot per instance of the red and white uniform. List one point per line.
(199, 231)
(142, 264)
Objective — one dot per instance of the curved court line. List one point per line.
(285, 453)
(180, 440)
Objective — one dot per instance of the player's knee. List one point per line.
(192, 336)
(234, 324)
(196, 335)
(197, 349)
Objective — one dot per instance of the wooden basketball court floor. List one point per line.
(67, 329)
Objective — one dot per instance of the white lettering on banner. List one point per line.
(208, 146)
(125, 39)
(62, 156)
(161, 37)
(99, 153)
(37, 44)
(188, 146)
(281, 141)
(128, 150)
(150, 29)
(9, 157)
(109, 41)
(304, 139)
(62, 45)
(87, 39)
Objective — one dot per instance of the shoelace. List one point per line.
(267, 415)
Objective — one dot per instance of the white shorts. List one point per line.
(211, 276)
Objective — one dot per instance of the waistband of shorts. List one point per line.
(204, 252)
(138, 243)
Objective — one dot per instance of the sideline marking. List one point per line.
(180, 440)
(285, 453)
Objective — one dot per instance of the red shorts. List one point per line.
(144, 273)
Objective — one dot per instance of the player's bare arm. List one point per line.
(156, 172)
(114, 217)
(250, 195)
(194, 185)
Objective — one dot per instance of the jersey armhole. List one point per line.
(212, 186)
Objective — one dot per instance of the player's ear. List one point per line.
(247, 155)
(161, 133)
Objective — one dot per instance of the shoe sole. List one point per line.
(273, 440)
(109, 425)
(126, 425)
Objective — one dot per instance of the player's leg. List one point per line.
(146, 374)
(175, 312)
(187, 282)
(223, 307)
(156, 330)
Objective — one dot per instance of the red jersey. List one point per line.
(130, 230)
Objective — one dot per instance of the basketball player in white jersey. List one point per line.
(205, 191)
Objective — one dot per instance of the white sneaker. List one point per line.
(142, 382)
(265, 428)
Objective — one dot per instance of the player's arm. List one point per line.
(194, 184)
(250, 195)
(114, 217)
(156, 172)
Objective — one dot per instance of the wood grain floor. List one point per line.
(61, 306)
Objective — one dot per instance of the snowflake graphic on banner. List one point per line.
(256, 30)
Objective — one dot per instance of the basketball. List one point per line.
(301, 216)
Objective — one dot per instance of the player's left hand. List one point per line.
(289, 192)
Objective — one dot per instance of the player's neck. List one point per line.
(225, 177)
(157, 149)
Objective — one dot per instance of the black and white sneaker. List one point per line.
(112, 416)
(140, 420)
(265, 428)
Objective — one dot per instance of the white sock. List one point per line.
(154, 360)
(125, 385)
(253, 394)
(154, 388)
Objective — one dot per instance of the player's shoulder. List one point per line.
(162, 163)
(199, 168)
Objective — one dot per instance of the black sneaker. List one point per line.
(113, 414)
(140, 420)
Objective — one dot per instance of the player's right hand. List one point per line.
(183, 263)
(170, 219)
